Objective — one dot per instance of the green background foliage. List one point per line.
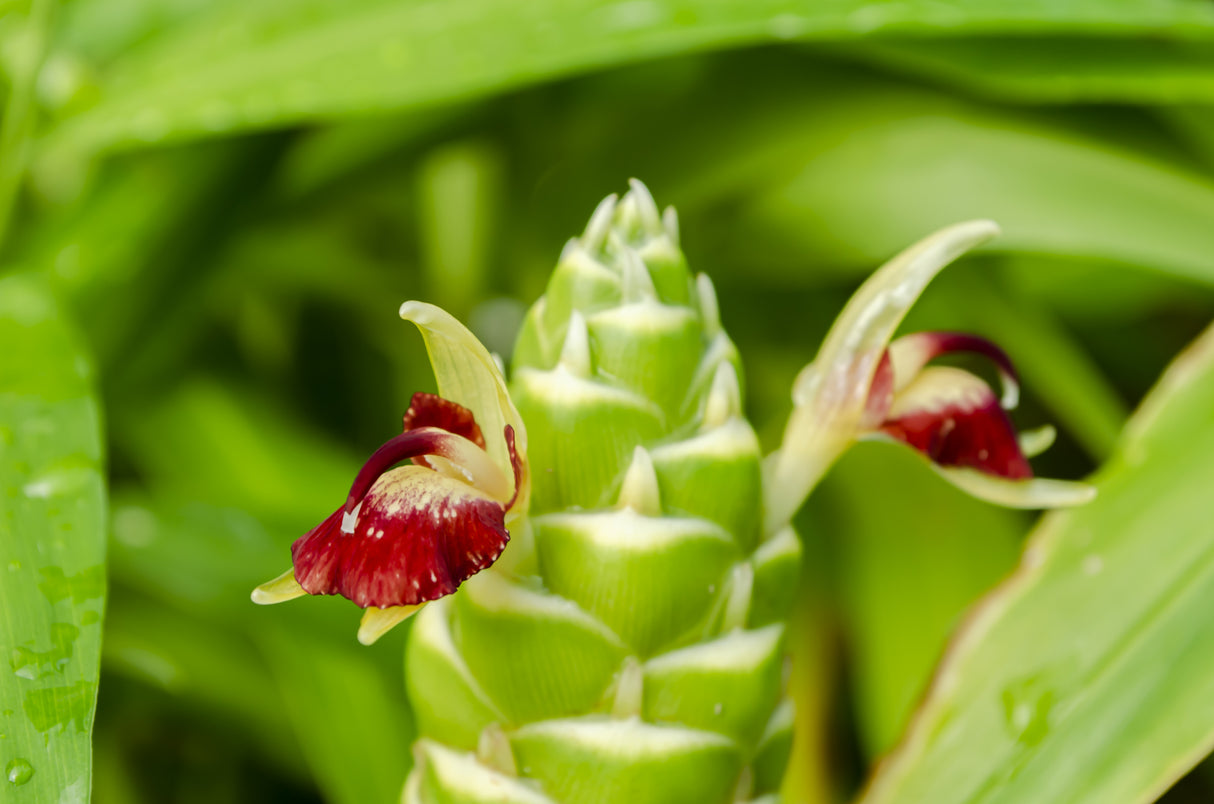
(211, 211)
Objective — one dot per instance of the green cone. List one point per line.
(629, 646)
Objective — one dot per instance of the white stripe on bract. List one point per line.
(736, 651)
(829, 395)
(491, 591)
(433, 630)
(462, 774)
(626, 738)
(626, 530)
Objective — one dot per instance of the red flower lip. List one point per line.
(410, 534)
(861, 385)
(414, 533)
(949, 415)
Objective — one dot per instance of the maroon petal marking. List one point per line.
(516, 463)
(411, 444)
(955, 419)
(912, 352)
(431, 410)
(418, 536)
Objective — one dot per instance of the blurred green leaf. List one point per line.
(354, 727)
(881, 168)
(294, 678)
(1064, 69)
(909, 567)
(1085, 677)
(52, 550)
(210, 666)
(206, 443)
(244, 66)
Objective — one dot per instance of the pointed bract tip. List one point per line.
(493, 750)
(647, 208)
(377, 622)
(638, 284)
(279, 590)
(599, 223)
(670, 222)
(629, 690)
(710, 312)
(737, 605)
(575, 353)
(639, 492)
(724, 397)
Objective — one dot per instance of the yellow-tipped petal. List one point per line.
(830, 394)
(279, 590)
(377, 622)
(1035, 442)
(1033, 493)
(467, 374)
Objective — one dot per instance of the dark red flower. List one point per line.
(411, 533)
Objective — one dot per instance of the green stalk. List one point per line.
(629, 645)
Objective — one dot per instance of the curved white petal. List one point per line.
(467, 374)
(1036, 492)
(377, 622)
(279, 590)
(829, 394)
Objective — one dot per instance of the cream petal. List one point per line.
(279, 590)
(1032, 493)
(830, 394)
(467, 374)
(1035, 442)
(377, 622)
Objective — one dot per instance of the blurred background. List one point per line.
(234, 198)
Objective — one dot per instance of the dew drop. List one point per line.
(1092, 564)
(19, 771)
(1026, 709)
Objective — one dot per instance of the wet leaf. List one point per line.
(240, 67)
(1085, 677)
(52, 551)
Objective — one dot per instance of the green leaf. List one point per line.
(52, 551)
(1063, 69)
(907, 570)
(1085, 677)
(243, 66)
(353, 727)
(881, 168)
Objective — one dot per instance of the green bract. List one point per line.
(629, 644)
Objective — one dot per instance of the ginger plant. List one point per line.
(609, 554)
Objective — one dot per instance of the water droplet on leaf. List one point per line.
(1026, 709)
(19, 771)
